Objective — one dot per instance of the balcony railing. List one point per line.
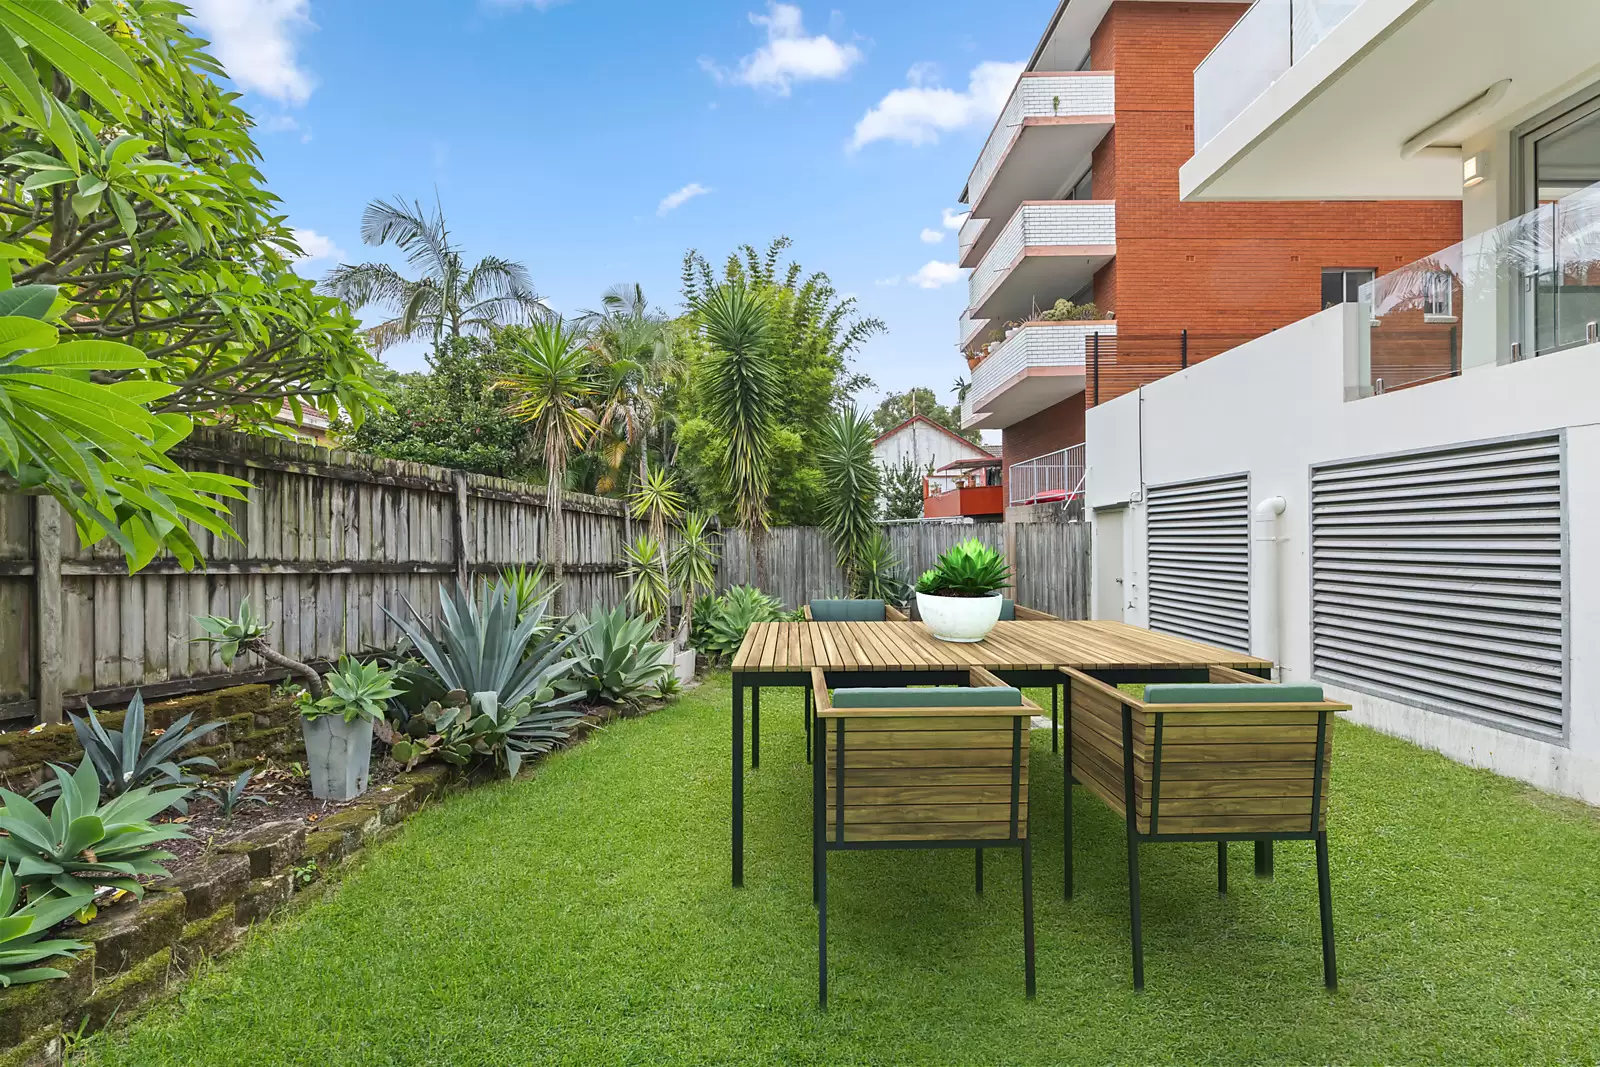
(1035, 344)
(1525, 288)
(1078, 223)
(1080, 93)
(1054, 478)
(1270, 38)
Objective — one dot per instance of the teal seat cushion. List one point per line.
(1233, 693)
(847, 611)
(1008, 611)
(990, 696)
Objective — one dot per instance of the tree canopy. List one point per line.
(898, 407)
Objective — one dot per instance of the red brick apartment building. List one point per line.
(1075, 197)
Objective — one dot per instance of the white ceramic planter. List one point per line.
(338, 756)
(962, 619)
(683, 663)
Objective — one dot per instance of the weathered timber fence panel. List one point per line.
(1051, 560)
(327, 540)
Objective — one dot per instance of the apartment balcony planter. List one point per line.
(1050, 125)
(962, 620)
(1046, 251)
(1039, 365)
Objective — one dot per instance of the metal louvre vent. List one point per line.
(1199, 560)
(1438, 579)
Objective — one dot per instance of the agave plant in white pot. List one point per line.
(961, 597)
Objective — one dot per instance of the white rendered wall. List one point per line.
(1275, 407)
(922, 444)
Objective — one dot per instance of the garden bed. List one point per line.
(229, 875)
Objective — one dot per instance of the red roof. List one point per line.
(942, 429)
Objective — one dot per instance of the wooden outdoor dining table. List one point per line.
(1024, 654)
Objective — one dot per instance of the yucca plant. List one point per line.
(22, 929)
(645, 571)
(479, 644)
(527, 586)
(878, 572)
(617, 663)
(693, 568)
(84, 844)
(121, 764)
(852, 485)
(969, 569)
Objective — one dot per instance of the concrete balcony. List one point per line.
(1047, 251)
(1044, 137)
(967, 239)
(970, 328)
(1038, 366)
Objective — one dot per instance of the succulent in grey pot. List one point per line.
(338, 727)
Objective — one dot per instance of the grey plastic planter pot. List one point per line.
(338, 756)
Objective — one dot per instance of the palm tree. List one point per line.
(553, 388)
(637, 351)
(448, 299)
(742, 394)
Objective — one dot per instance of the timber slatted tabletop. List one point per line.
(906, 653)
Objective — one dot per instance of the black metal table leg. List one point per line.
(978, 865)
(738, 784)
(1330, 974)
(1027, 913)
(1066, 809)
(1055, 694)
(1263, 859)
(755, 727)
(1222, 866)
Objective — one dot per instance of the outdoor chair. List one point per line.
(852, 611)
(1236, 759)
(844, 611)
(1011, 611)
(921, 768)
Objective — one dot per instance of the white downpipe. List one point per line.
(1266, 636)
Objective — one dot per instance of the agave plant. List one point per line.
(356, 690)
(482, 727)
(248, 632)
(617, 663)
(84, 844)
(22, 928)
(968, 569)
(229, 798)
(481, 645)
(737, 610)
(118, 760)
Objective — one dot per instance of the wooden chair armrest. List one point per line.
(1033, 615)
(1079, 678)
(980, 676)
(807, 609)
(893, 614)
(819, 690)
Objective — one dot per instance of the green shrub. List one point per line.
(1067, 311)
(617, 663)
(879, 573)
(731, 617)
(970, 569)
(481, 727)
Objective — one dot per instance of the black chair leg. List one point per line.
(1066, 810)
(822, 929)
(1134, 912)
(819, 785)
(977, 854)
(1027, 914)
(1055, 695)
(1330, 976)
(1222, 866)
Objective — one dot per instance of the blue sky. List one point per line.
(596, 140)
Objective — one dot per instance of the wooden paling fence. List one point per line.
(327, 540)
(1051, 560)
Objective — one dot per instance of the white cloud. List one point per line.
(317, 247)
(935, 275)
(954, 220)
(789, 56)
(673, 201)
(931, 236)
(255, 41)
(889, 282)
(920, 112)
(279, 124)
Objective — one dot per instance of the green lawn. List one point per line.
(584, 916)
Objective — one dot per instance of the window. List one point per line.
(1558, 176)
(1342, 285)
(1083, 188)
(1439, 297)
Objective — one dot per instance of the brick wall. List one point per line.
(1050, 430)
(1224, 270)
